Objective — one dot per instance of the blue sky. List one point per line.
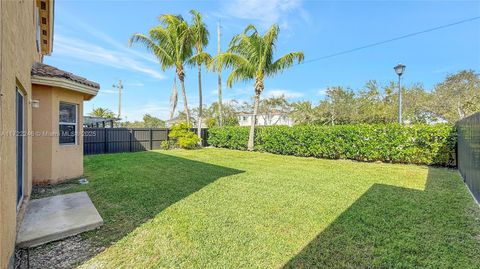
(91, 40)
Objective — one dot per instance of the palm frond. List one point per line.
(238, 75)
(284, 62)
(231, 60)
(249, 46)
(163, 56)
(170, 19)
(268, 40)
(162, 36)
(200, 59)
(250, 28)
(200, 30)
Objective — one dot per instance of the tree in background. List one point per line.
(339, 107)
(372, 104)
(375, 105)
(132, 124)
(199, 34)
(457, 97)
(102, 113)
(211, 117)
(229, 114)
(250, 56)
(171, 42)
(149, 121)
(152, 122)
(303, 113)
(271, 106)
(416, 109)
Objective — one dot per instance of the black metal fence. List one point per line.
(469, 152)
(115, 140)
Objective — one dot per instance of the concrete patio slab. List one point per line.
(57, 217)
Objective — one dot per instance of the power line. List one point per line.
(391, 40)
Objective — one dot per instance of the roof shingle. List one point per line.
(44, 70)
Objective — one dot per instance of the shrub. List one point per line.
(183, 137)
(167, 144)
(417, 144)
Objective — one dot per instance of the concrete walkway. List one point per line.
(57, 217)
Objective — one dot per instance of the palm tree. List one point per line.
(101, 113)
(171, 43)
(199, 33)
(250, 56)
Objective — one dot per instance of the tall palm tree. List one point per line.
(250, 56)
(171, 42)
(199, 33)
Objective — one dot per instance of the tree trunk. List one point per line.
(181, 77)
(220, 116)
(251, 135)
(333, 116)
(461, 113)
(173, 98)
(200, 109)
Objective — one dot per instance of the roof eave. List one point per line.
(52, 23)
(88, 91)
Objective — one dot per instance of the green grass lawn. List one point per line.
(217, 208)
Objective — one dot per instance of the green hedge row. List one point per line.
(417, 144)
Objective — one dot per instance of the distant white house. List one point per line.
(274, 118)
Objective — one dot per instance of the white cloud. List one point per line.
(321, 92)
(108, 91)
(93, 31)
(286, 93)
(265, 11)
(81, 50)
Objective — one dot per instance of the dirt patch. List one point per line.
(42, 191)
(66, 253)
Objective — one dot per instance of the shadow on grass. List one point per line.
(128, 189)
(394, 227)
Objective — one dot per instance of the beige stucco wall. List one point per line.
(52, 162)
(42, 127)
(18, 53)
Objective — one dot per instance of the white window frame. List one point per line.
(68, 123)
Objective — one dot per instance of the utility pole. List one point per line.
(220, 120)
(119, 86)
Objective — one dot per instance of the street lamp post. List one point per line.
(399, 69)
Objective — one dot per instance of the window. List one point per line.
(68, 124)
